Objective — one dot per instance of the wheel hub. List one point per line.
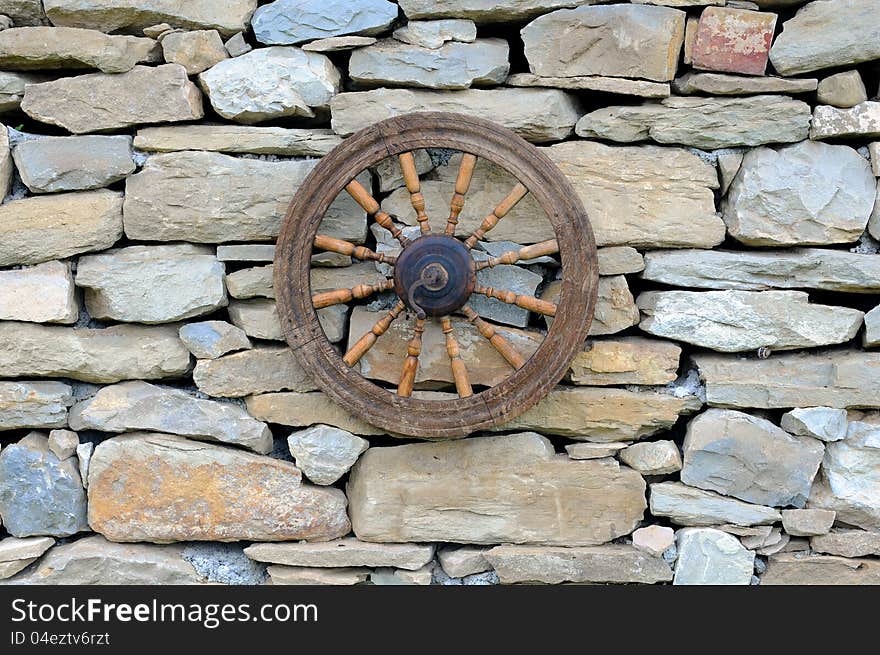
(434, 275)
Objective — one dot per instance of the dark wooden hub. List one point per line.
(434, 275)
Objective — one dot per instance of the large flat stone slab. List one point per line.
(137, 405)
(296, 21)
(39, 294)
(34, 404)
(501, 489)
(629, 360)
(343, 552)
(302, 410)
(804, 569)
(238, 139)
(695, 507)
(163, 488)
(259, 370)
(121, 352)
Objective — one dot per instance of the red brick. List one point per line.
(733, 40)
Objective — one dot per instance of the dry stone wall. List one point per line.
(721, 426)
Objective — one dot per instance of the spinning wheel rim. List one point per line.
(524, 387)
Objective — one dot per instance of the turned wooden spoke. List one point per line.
(332, 244)
(363, 345)
(459, 370)
(411, 363)
(501, 344)
(526, 302)
(462, 184)
(339, 296)
(516, 194)
(411, 179)
(369, 204)
(542, 249)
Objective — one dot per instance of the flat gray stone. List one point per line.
(846, 543)
(338, 43)
(842, 90)
(652, 457)
(711, 557)
(480, 12)
(73, 163)
(344, 552)
(137, 405)
(605, 84)
(808, 522)
(725, 84)
(296, 21)
(452, 66)
(41, 495)
(16, 554)
(12, 85)
(810, 193)
(859, 122)
(24, 12)
(152, 284)
(34, 405)
(259, 370)
(325, 453)
(434, 33)
(44, 293)
(594, 450)
(196, 51)
(238, 139)
(824, 423)
(212, 339)
(463, 561)
(508, 278)
(695, 507)
(872, 327)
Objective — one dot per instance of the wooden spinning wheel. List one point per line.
(435, 276)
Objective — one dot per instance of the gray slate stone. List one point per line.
(12, 85)
(859, 122)
(73, 163)
(434, 33)
(325, 453)
(451, 66)
(259, 370)
(34, 404)
(296, 21)
(695, 507)
(872, 325)
(481, 11)
(212, 339)
(509, 278)
(40, 494)
(711, 557)
(824, 423)
(724, 84)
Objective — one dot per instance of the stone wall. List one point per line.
(720, 426)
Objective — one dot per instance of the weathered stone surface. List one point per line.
(236, 45)
(849, 483)
(391, 177)
(266, 368)
(711, 557)
(40, 495)
(810, 193)
(207, 197)
(343, 552)
(689, 506)
(803, 569)
(846, 543)
(196, 51)
(6, 165)
(803, 268)
(226, 16)
(611, 563)
(631, 360)
(874, 153)
(720, 84)
(212, 339)
(271, 83)
(434, 33)
(325, 453)
(808, 522)
(748, 457)
(99, 102)
(121, 352)
(34, 404)
(617, 40)
(249, 252)
(40, 294)
(137, 405)
(837, 378)
(481, 12)
(653, 539)
(258, 318)
(825, 35)
(825, 423)
(295, 21)
(254, 282)
(842, 90)
(736, 321)
(302, 575)
(16, 554)
(872, 327)
(151, 487)
(238, 139)
(707, 123)
(615, 307)
(452, 66)
(861, 121)
(594, 450)
(619, 85)
(463, 561)
(73, 163)
(12, 88)
(24, 12)
(304, 409)
(84, 458)
(152, 284)
(505, 489)
(386, 576)
(602, 415)
(652, 457)
(619, 260)
(733, 40)
(35, 230)
(95, 561)
(512, 108)
(338, 43)
(729, 164)
(63, 443)
(28, 48)
(644, 196)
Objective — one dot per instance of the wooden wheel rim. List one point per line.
(455, 416)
